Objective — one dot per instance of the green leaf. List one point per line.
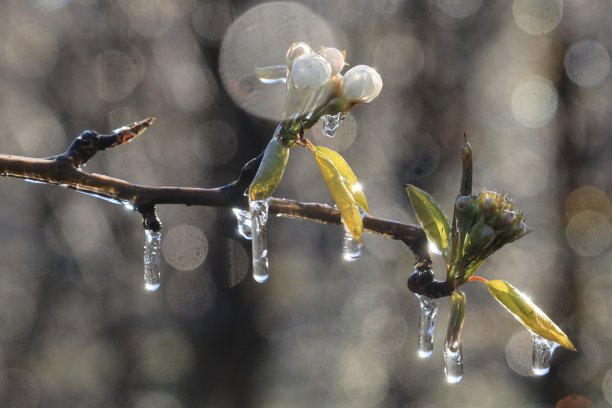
(341, 194)
(270, 171)
(348, 177)
(526, 312)
(430, 216)
(455, 321)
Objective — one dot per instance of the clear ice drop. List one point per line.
(542, 354)
(351, 249)
(453, 362)
(244, 222)
(259, 218)
(152, 260)
(427, 321)
(331, 123)
(274, 74)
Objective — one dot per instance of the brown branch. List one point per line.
(64, 170)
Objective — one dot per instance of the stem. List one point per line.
(65, 171)
(476, 278)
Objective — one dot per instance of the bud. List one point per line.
(296, 50)
(335, 58)
(310, 71)
(361, 84)
(465, 212)
(478, 239)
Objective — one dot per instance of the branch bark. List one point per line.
(65, 170)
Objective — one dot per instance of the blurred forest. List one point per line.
(527, 80)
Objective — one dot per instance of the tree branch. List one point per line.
(65, 170)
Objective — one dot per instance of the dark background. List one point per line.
(528, 81)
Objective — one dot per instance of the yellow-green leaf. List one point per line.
(270, 171)
(455, 321)
(340, 193)
(526, 312)
(431, 218)
(347, 175)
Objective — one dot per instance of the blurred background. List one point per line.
(528, 81)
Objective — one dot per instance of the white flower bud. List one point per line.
(335, 58)
(310, 71)
(296, 50)
(361, 84)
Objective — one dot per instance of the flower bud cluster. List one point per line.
(483, 224)
(313, 70)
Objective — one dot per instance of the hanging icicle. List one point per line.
(351, 249)
(152, 248)
(259, 219)
(427, 321)
(453, 354)
(245, 226)
(152, 260)
(543, 350)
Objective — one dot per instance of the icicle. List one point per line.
(453, 356)
(351, 249)
(543, 350)
(453, 360)
(429, 309)
(331, 123)
(259, 218)
(244, 222)
(275, 74)
(152, 260)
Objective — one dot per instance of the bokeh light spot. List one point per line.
(383, 331)
(587, 63)
(236, 263)
(211, 19)
(606, 386)
(534, 102)
(117, 75)
(191, 294)
(519, 352)
(537, 16)
(259, 38)
(185, 247)
(587, 198)
(215, 143)
(165, 356)
(588, 233)
(525, 173)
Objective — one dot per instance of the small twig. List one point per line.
(65, 170)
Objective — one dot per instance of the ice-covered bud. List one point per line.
(335, 57)
(296, 50)
(361, 84)
(310, 71)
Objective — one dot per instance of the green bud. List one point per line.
(478, 239)
(466, 210)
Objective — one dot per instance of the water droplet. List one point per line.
(244, 222)
(259, 219)
(129, 206)
(331, 123)
(429, 309)
(152, 260)
(453, 360)
(543, 350)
